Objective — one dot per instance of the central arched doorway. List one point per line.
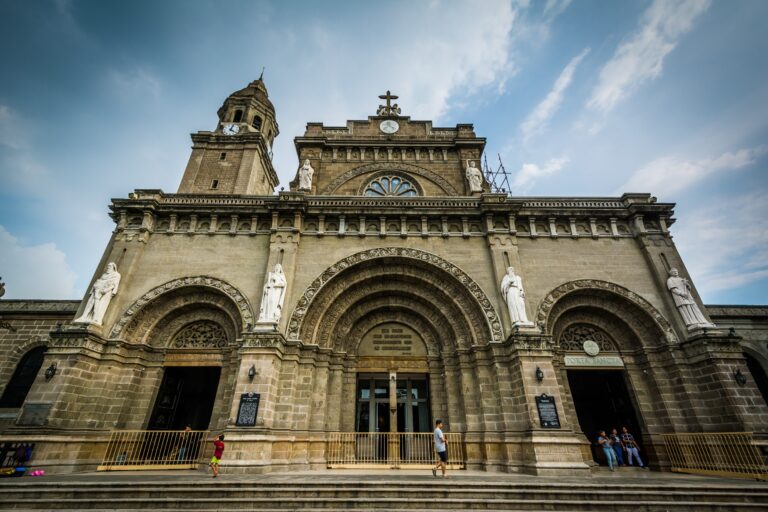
(401, 324)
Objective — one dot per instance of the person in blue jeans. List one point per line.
(618, 447)
(605, 442)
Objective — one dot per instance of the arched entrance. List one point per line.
(193, 324)
(758, 374)
(399, 323)
(605, 336)
(18, 387)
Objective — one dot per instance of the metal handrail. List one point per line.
(153, 449)
(731, 454)
(388, 449)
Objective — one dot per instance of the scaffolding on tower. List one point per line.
(498, 179)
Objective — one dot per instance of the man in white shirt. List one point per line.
(441, 448)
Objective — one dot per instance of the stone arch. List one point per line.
(401, 174)
(213, 291)
(466, 293)
(546, 314)
(387, 167)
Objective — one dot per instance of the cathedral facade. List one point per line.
(388, 287)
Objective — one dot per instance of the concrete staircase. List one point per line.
(358, 491)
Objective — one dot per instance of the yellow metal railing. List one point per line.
(154, 449)
(383, 449)
(733, 454)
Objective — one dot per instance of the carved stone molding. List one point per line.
(546, 305)
(574, 336)
(302, 306)
(201, 334)
(246, 313)
(393, 168)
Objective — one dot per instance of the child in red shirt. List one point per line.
(218, 444)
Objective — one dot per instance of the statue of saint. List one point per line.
(305, 176)
(514, 296)
(689, 310)
(102, 292)
(273, 296)
(474, 177)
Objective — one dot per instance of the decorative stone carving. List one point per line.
(686, 305)
(273, 296)
(389, 167)
(2, 287)
(514, 296)
(201, 334)
(302, 306)
(101, 294)
(546, 305)
(306, 172)
(246, 316)
(578, 337)
(474, 177)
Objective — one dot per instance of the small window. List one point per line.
(238, 116)
(256, 122)
(390, 186)
(222, 156)
(215, 184)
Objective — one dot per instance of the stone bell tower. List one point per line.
(235, 158)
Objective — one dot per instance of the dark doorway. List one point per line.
(761, 380)
(602, 402)
(23, 377)
(185, 397)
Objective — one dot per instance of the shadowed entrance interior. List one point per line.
(602, 402)
(185, 397)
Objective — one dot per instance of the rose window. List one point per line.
(390, 186)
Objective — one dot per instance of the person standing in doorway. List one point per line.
(628, 440)
(441, 447)
(605, 442)
(218, 451)
(618, 447)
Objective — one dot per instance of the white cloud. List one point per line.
(11, 129)
(725, 246)
(529, 173)
(540, 116)
(35, 271)
(134, 82)
(555, 7)
(641, 57)
(671, 174)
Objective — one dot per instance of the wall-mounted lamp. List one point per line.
(741, 379)
(252, 371)
(50, 371)
(539, 374)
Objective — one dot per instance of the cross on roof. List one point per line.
(390, 109)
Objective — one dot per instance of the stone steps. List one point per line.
(418, 494)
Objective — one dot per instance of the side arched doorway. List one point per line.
(191, 326)
(608, 341)
(18, 387)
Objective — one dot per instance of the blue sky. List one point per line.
(589, 98)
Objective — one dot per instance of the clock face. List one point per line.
(231, 129)
(389, 126)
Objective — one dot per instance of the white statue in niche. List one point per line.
(474, 177)
(305, 176)
(273, 296)
(689, 310)
(102, 292)
(514, 296)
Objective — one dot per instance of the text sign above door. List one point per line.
(594, 361)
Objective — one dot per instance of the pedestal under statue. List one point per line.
(102, 292)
